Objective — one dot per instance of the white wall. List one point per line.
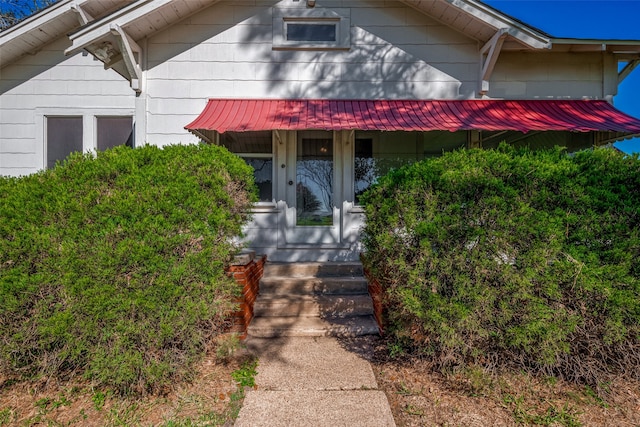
(48, 83)
(396, 52)
(553, 76)
(226, 51)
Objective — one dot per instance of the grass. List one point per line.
(420, 395)
(213, 398)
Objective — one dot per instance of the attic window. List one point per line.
(313, 29)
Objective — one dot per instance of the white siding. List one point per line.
(396, 52)
(48, 83)
(552, 76)
(226, 51)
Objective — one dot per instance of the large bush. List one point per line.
(113, 265)
(505, 258)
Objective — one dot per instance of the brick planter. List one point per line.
(247, 271)
(377, 296)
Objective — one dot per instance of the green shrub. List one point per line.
(113, 265)
(506, 258)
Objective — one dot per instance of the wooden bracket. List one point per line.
(631, 65)
(488, 56)
(130, 55)
(83, 16)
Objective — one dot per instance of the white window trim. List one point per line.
(284, 16)
(264, 205)
(89, 127)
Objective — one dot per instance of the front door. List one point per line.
(313, 211)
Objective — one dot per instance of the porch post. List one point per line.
(474, 139)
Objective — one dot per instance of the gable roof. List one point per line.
(470, 17)
(137, 19)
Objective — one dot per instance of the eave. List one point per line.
(51, 23)
(630, 48)
(113, 39)
(481, 22)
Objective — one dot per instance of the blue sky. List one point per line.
(598, 19)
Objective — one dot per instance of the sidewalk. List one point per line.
(312, 381)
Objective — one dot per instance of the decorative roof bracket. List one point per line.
(83, 16)
(130, 51)
(488, 56)
(631, 65)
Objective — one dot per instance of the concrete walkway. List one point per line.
(312, 381)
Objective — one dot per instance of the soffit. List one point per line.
(31, 34)
(139, 19)
(480, 22)
(620, 48)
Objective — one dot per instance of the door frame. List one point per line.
(290, 235)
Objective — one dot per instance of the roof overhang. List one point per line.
(616, 47)
(113, 39)
(242, 115)
(625, 52)
(481, 22)
(111, 28)
(53, 22)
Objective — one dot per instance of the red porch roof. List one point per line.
(242, 115)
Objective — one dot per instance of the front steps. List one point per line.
(313, 299)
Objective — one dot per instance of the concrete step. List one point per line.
(267, 327)
(312, 285)
(313, 269)
(316, 305)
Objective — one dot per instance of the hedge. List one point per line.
(512, 259)
(112, 265)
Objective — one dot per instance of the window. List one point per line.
(317, 28)
(377, 153)
(64, 136)
(114, 131)
(311, 32)
(256, 149)
(83, 131)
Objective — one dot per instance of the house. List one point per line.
(320, 97)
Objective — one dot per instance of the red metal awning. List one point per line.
(241, 115)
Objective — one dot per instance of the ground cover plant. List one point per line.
(112, 265)
(510, 258)
(213, 398)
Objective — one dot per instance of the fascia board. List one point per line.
(595, 41)
(101, 28)
(37, 20)
(621, 48)
(526, 35)
(529, 36)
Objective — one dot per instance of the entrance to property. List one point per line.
(310, 181)
(313, 192)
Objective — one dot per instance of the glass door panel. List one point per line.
(314, 179)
